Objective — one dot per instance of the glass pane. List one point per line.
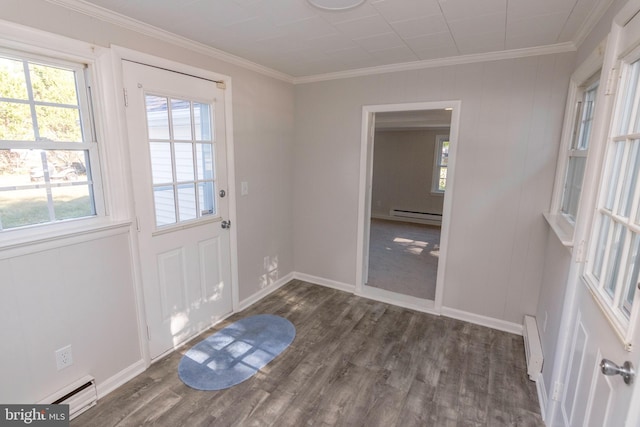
(630, 180)
(14, 85)
(181, 114)
(165, 205)
(203, 121)
(573, 186)
(627, 99)
(59, 123)
(59, 165)
(184, 161)
(444, 157)
(632, 276)
(16, 122)
(614, 174)
(206, 198)
(19, 208)
(54, 85)
(605, 223)
(187, 202)
(587, 117)
(72, 202)
(157, 117)
(161, 169)
(205, 161)
(615, 254)
(442, 182)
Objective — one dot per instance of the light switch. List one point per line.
(244, 188)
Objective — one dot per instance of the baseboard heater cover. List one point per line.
(80, 396)
(532, 347)
(425, 216)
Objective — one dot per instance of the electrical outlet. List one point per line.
(64, 357)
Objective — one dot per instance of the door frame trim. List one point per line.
(364, 192)
(120, 54)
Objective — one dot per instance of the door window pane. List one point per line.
(605, 222)
(631, 281)
(165, 205)
(630, 180)
(181, 114)
(161, 168)
(615, 253)
(184, 161)
(157, 117)
(187, 202)
(614, 175)
(627, 100)
(203, 121)
(182, 166)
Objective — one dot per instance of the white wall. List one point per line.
(403, 171)
(100, 305)
(509, 134)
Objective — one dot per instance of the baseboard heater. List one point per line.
(80, 396)
(532, 347)
(431, 218)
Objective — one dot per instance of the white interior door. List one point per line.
(177, 146)
(606, 314)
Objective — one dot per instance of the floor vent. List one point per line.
(430, 218)
(80, 396)
(532, 347)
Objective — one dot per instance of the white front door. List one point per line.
(176, 133)
(607, 305)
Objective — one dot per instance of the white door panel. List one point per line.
(178, 157)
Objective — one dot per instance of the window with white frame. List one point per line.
(615, 249)
(579, 148)
(48, 149)
(441, 161)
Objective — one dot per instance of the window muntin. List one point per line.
(47, 143)
(182, 159)
(579, 149)
(613, 274)
(441, 161)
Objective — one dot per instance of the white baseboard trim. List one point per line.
(324, 282)
(248, 302)
(490, 322)
(110, 384)
(542, 396)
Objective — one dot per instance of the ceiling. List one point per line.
(297, 39)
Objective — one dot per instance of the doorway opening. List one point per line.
(407, 171)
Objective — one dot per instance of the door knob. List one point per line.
(225, 224)
(626, 370)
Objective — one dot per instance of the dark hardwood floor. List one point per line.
(354, 362)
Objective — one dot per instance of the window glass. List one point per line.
(45, 156)
(182, 158)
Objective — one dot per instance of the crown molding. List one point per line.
(120, 20)
(441, 62)
(592, 20)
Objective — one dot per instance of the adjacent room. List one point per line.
(432, 204)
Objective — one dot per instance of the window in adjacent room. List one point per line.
(441, 158)
(48, 149)
(579, 148)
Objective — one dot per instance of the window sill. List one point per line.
(561, 227)
(28, 240)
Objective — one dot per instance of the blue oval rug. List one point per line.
(235, 353)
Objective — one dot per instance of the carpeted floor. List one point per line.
(403, 257)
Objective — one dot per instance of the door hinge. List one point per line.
(557, 391)
(612, 82)
(221, 85)
(580, 255)
(148, 333)
(137, 224)
(126, 97)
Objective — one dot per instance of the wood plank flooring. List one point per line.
(354, 362)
